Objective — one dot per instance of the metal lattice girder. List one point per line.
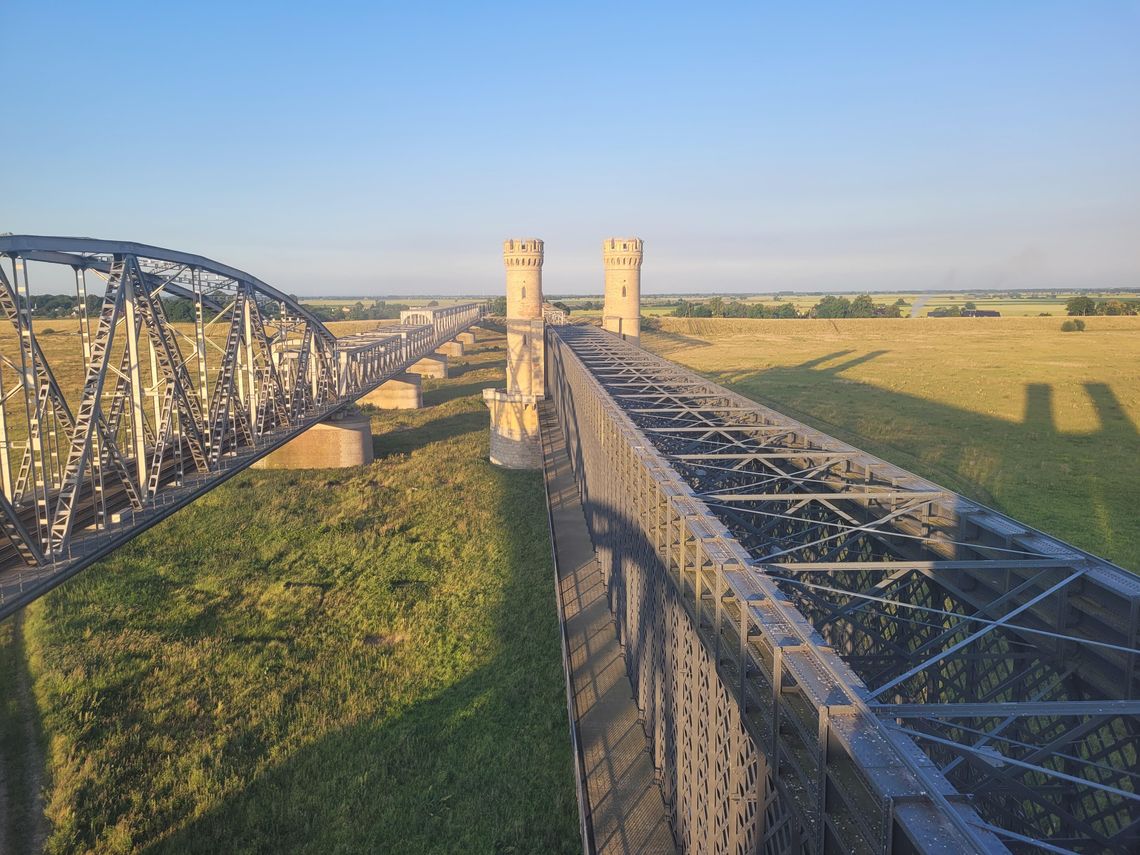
(913, 597)
(166, 411)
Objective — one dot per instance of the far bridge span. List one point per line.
(121, 417)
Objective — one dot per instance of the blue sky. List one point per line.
(344, 148)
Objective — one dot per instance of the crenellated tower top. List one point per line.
(622, 252)
(525, 252)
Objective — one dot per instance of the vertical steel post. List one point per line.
(134, 375)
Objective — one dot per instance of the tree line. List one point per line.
(1088, 306)
(861, 306)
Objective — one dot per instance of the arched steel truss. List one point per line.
(115, 417)
(832, 654)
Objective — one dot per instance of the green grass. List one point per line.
(332, 661)
(21, 825)
(1035, 422)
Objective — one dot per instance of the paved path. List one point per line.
(626, 810)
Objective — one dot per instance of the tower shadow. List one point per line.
(1079, 486)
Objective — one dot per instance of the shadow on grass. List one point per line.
(462, 368)
(443, 394)
(404, 439)
(483, 765)
(1074, 485)
(22, 825)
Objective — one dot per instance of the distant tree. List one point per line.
(831, 307)
(862, 307)
(970, 306)
(786, 310)
(178, 309)
(1111, 307)
(1075, 325)
(499, 306)
(1081, 306)
(945, 312)
(894, 310)
(735, 309)
(560, 305)
(433, 302)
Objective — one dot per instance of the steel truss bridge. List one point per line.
(831, 654)
(160, 411)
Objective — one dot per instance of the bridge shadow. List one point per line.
(405, 438)
(459, 369)
(1079, 486)
(443, 394)
(462, 770)
(22, 824)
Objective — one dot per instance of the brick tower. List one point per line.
(514, 410)
(622, 313)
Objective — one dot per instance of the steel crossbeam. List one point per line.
(155, 423)
(916, 598)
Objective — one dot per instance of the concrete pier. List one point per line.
(467, 339)
(434, 365)
(451, 348)
(337, 443)
(402, 392)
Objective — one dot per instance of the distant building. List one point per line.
(553, 315)
(980, 313)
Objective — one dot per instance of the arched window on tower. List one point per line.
(623, 290)
(524, 292)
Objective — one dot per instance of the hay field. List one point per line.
(1042, 425)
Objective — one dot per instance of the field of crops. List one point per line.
(1038, 423)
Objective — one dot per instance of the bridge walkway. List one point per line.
(625, 811)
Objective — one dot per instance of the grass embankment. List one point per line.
(360, 660)
(1011, 411)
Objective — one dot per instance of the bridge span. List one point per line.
(831, 654)
(828, 653)
(114, 418)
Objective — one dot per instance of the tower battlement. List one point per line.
(525, 252)
(622, 252)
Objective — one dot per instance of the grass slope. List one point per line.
(1035, 422)
(330, 661)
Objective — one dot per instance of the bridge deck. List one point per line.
(915, 672)
(625, 809)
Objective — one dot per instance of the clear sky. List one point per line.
(376, 148)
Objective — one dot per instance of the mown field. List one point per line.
(1042, 425)
(331, 661)
(1025, 306)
